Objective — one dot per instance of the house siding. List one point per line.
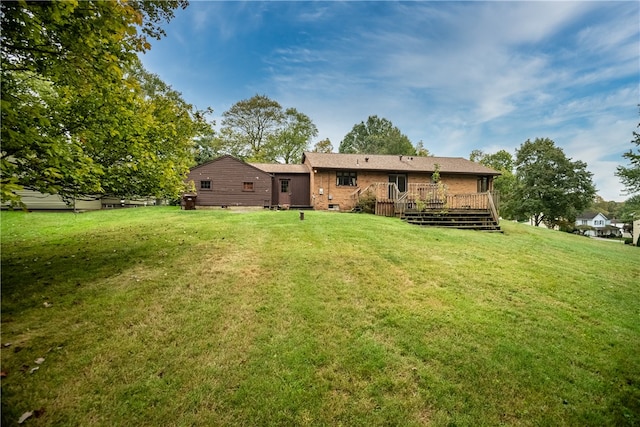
(599, 222)
(299, 189)
(227, 176)
(35, 200)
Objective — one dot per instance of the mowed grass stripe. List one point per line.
(162, 316)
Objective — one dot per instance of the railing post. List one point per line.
(492, 207)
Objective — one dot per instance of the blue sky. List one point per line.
(457, 76)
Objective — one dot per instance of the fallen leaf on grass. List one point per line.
(34, 369)
(47, 305)
(24, 417)
(40, 360)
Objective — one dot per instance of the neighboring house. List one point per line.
(636, 232)
(595, 224)
(624, 228)
(34, 200)
(337, 179)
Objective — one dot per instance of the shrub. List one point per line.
(567, 226)
(367, 203)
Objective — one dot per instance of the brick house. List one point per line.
(337, 179)
(401, 186)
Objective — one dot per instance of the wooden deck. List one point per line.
(430, 205)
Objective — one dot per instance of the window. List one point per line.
(247, 186)
(346, 178)
(585, 222)
(284, 185)
(205, 185)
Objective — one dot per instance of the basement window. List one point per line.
(346, 178)
(247, 186)
(205, 185)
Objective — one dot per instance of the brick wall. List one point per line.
(325, 192)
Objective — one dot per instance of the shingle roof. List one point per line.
(395, 163)
(589, 215)
(280, 168)
(225, 156)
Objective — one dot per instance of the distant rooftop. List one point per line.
(590, 215)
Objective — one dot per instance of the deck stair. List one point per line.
(430, 205)
(472, 219)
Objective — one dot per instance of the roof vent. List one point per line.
(400, 156)
(366, 159)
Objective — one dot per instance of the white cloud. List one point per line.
(455, 75)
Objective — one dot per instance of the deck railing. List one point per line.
(391, 201)
(381, 191)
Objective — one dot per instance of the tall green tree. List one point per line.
(323, 146)
(154, 148)
(376, 136)
(213, 145)
(504, 185)
(68, 90)
(249, 125)
(501, 160)
(421, 150)
(207, 148)
(294, 136)
(630, 209)
(550, 188)
(609, 208)
(630, 175)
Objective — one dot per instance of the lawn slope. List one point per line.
(156, 316)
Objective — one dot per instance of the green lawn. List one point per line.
(156, 316)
